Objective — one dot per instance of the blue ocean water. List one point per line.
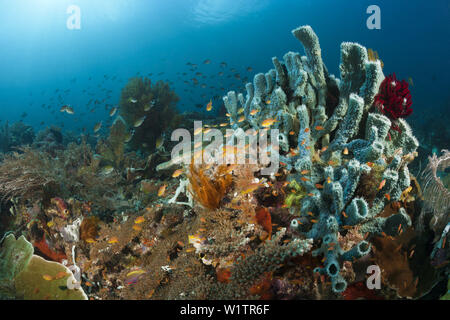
(44, 65)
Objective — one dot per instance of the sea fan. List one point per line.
(436, 194)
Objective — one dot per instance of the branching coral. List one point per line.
(248, 270)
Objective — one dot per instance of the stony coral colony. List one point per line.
(342, 200)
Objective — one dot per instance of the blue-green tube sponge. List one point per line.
(357, 211)
(358, 251)
(338, 284)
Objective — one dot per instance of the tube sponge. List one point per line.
(357, 211)
(338, 284)
(390, 225)
(310, 41)
(352, 67)
(358, 251)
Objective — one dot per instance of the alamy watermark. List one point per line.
(374, 280)
(74, 20)
(374, 20)
(236, 147)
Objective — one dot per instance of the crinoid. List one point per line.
(436, 194)
(209, 189)
(394, 99)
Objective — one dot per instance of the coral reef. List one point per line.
(336, 144)
(103, 222)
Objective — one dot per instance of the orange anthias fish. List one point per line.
(113, 240)
(61, 275)
(251, 188)
(318, 128)
(382, 183)
(135, 272)
(209, 106)
(177, 173)
(268, 122)
(162, 190)
(139, 220)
